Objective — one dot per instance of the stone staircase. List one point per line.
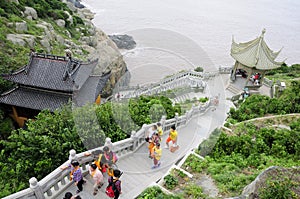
(234, 89)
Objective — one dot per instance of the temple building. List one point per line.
(253, 59)
(49, 82)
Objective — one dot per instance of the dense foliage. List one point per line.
(37, 150)
(283, 183)
(198, 69)
(157, 193)
(148, 109)
(45, 142)
(236, 160)
(285, 72)
(259, 105)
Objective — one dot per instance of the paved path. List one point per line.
(138, 174)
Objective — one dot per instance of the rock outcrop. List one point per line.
(101, 47)
(21, 26)
(76, 3)
(123, 41)
(92, 43)
(252, 190)
(21, 39)
(30, 13)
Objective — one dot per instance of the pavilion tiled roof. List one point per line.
(255, 54)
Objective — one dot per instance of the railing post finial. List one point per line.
(176, 119)
(163, 121)
(108, 143)
(37, 189)
(72, 155)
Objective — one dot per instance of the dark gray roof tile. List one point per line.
(35, 98)
(48, 72)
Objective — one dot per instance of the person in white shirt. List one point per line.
(97, 177)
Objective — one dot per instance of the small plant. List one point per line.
(203, 99)
(199, 69)
(194, 163)
(194, 191)
(170, 181)
(181, 174)
(278, 189)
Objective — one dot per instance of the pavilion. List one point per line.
(253, 60)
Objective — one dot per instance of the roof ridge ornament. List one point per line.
(263, 33)
(260, 43)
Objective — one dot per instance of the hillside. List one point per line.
(52, 26)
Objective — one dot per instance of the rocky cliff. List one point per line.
(70, 29)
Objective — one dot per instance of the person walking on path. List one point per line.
(76, 175)
(160, 130)
(172, 137)
(151, 136)
(110, 156)
(113, 190)
(153, 142)
(97, 177)
(156, 154)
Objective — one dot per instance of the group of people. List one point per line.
(154, 138)
(103, 163)
(255, 78)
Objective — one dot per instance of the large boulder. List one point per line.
(77, 3)
(21, 39)
(86, 14)
(48, 30)
(109, 60)
(123, 41)
(31, 12)
(13, 1)
(252, 190)
(60, 39)
(46, 44)
(91, 41)
(60, 22)
(21, 26)
(70, 18)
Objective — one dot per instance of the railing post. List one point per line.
(163, 121)
(36, 188)
(176, 119)
(108, 143)
(135, 140)
(72, 155)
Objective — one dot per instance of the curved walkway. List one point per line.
(138, 174)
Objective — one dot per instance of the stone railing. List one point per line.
(267, 82)
(225, 69)
(183, 79)
(58, 180)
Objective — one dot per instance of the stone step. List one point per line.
(233, 89)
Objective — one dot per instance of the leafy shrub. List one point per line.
(170, 181)
(193, 191)
(199, 69)
(157, 193)
(140, 109)
(195, 164)
(279, 187)
(203, 99)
